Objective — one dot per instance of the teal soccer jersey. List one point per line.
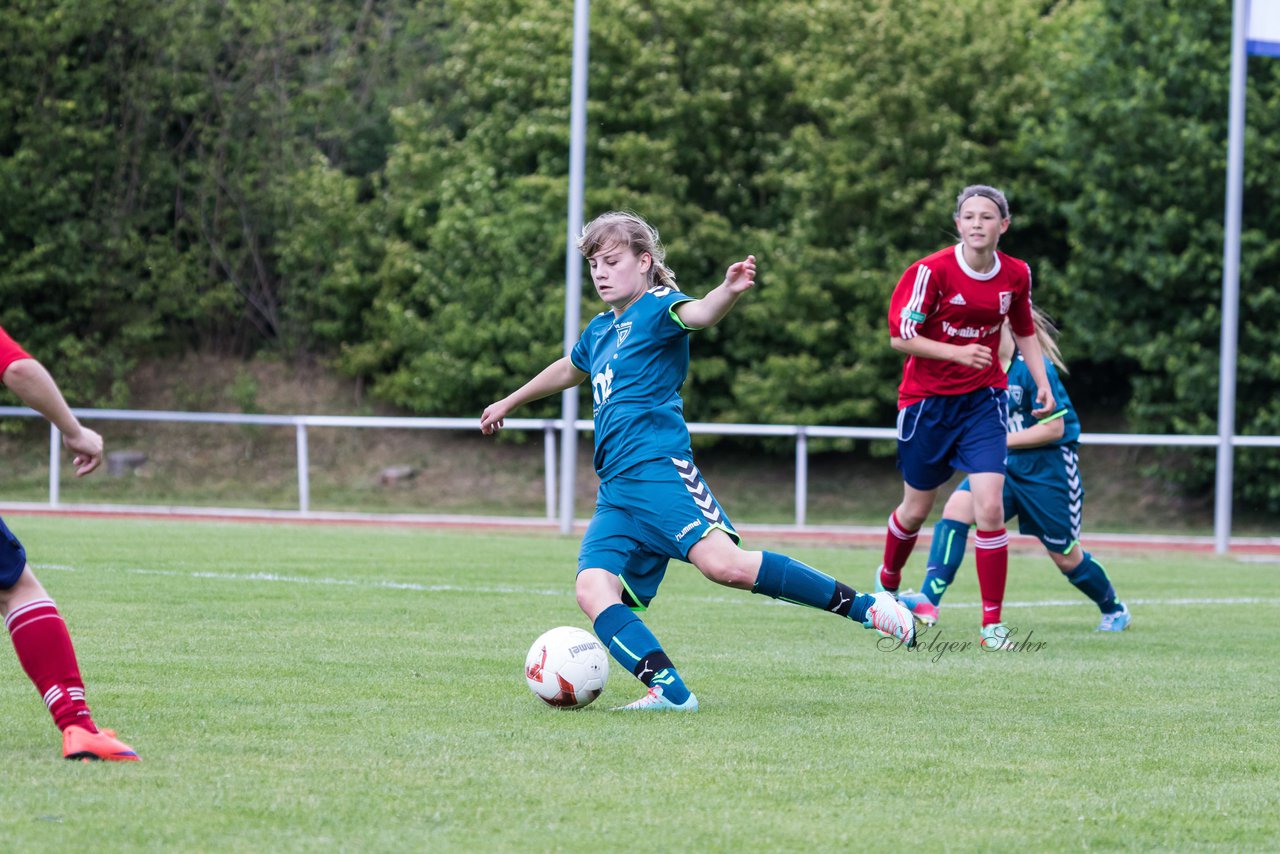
(1022, 399)
(1043, 486)
(637, 364)
(653, 504)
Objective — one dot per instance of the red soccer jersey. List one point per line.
(10, 351)
(943, 299)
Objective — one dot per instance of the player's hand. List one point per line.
(976, 356)
(1044, 403)
(740, 277)
(87, 446)
(493, 416)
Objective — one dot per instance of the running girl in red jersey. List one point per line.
(39, 635)
(946, 314)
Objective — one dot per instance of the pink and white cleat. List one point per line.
(920, 606)
(655, 702)
(890, 617)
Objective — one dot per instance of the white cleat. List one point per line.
(890, 617)
(655, 702)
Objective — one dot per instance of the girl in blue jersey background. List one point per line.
(653, 504)
(1043, 487)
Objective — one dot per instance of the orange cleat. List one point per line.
(79, 743)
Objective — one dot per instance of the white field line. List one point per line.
(273, 578)
(567, 590)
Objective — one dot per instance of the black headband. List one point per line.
(1001, 204)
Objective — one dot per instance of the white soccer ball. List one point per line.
(567, 667)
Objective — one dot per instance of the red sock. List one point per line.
(898, 543)
(991, 550)
(44, 649)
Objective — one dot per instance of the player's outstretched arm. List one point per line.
(711, 309)
(557, 376)
(29, 380)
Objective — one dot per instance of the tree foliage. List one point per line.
(383, 185)
(1134, 158)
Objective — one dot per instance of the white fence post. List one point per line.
(55, 464)
(549, 467)
(802, 477)
(304, 470)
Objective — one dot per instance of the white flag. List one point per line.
(1263, 35)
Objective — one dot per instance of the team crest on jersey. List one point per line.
(1015, 394)
(1006, 300)
(957, 300)
(624, 329)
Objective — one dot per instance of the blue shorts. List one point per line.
(1044, 490)
(652, 513)
(963, 431)
(13, 557)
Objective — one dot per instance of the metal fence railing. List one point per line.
(550, 428)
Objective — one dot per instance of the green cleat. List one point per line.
(995, 636)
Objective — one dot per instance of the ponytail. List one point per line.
(660, 274)
(1047, 335)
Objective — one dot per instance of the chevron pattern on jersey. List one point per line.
(698, 489)
(1075, 490)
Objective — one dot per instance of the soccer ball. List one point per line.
(567, 667)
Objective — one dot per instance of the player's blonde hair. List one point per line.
(630, 230)
(1047, 335)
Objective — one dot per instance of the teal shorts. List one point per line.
(646, 516)
(1043, 488)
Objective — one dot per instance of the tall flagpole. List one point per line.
(1231, 282)
(573, 262)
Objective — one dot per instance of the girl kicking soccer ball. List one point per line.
(653, 504)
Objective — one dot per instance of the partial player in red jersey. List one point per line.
(39, 635)
(946, 314)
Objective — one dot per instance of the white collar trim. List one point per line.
(972, 273)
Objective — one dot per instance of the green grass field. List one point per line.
(309, 688)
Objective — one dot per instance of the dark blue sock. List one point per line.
(788, 579)
(634, 647)
(946, 552)
(1091, 580)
